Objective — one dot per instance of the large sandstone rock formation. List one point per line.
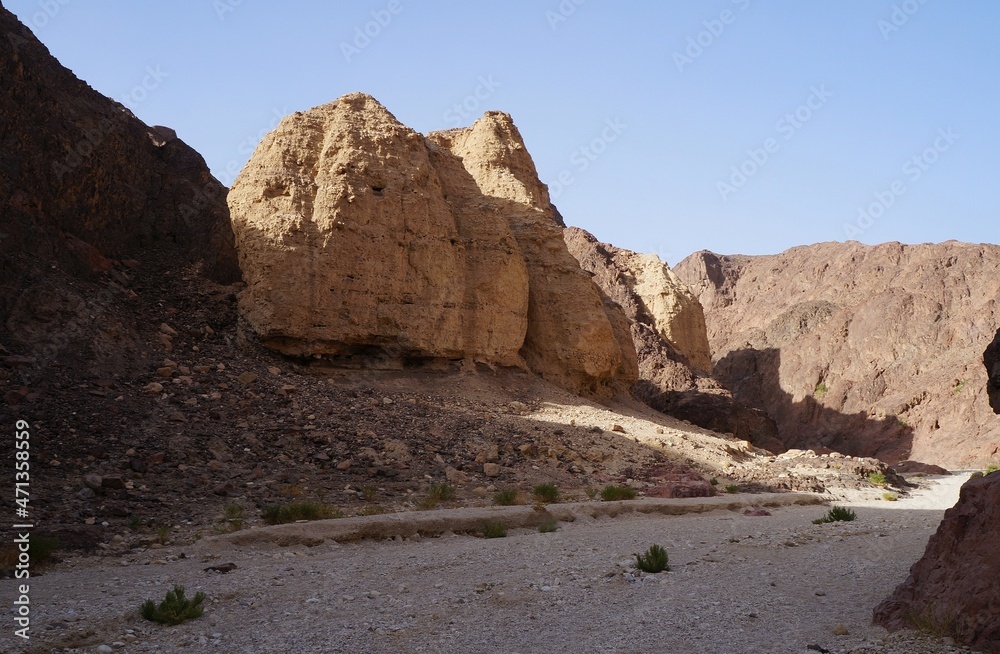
(359, 236)
(667, 325)
(872, 351)
(84, 183)
(953, 587)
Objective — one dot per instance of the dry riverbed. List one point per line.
(737, 584)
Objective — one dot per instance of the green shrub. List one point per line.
(653, 561)
(494, 530)
(713, 481)
(162, 535)
(991, 468)
(836, 514)
(877, 479)
(505, 498)
(368, 492)
(437, 493)
(821, 390)
(612, 493)
(175, 608)
(732, 488)
(373, 509)
(547, 493)
(548, 526)
(279, 514)
(890, 497)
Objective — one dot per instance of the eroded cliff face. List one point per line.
(359, 237)
(84, 185)
(571, 340)
(667, 325)
(872, 351)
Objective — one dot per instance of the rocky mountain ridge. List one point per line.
(868, 350)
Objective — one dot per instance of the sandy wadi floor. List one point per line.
(737, 584)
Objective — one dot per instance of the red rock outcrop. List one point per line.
(359, 236)
(667, 326)
(869, 350)
(991, 359)
(83, 184)
(953, 588)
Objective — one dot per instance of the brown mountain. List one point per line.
(84, 184)
(872, 351)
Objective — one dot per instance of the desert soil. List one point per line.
(736, 584)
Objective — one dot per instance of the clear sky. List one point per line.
(738, 126)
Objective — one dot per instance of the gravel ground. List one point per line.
(737, 584)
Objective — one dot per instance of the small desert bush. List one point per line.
(546, 493)
(732, 488)
(713, 481)
(437, 493)
(494, 530)
(373, 509)
(368, 492)
(162, 535)
(991, 468)
(505, 498)
(836, 514)
(279, 514)
(548, 527)
(877, 479)
(175, 608)
(653, 560)
(612, 493)
(890, 497)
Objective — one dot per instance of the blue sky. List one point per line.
(738, 126)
